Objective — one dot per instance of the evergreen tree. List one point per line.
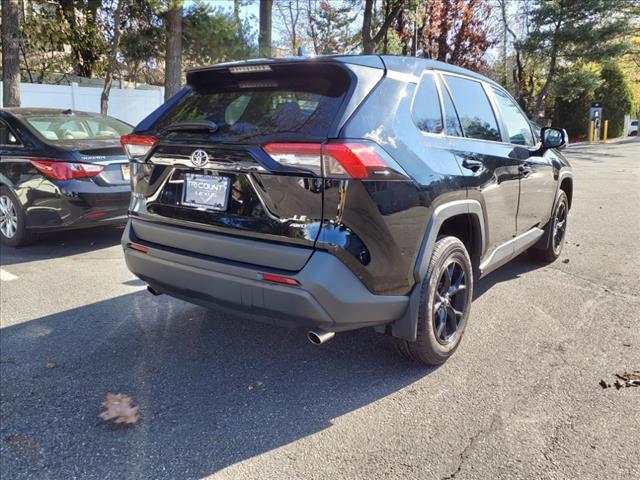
(569, 30)
(616, 98)
(330, 28)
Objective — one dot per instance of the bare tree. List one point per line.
(264, 37)
(370, 40)
(113, 57)
(11, 53)
(289, 14)
(173, 62)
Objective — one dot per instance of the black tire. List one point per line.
(18, 235)
(549, 248)
(436, 338)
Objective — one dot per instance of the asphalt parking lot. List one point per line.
(224, 397)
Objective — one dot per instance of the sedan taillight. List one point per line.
(66, 170)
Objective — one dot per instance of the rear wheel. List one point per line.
(12, 225)
(444, 305)
(550, 246)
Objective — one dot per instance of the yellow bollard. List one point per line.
(592, 125)
(604, 134)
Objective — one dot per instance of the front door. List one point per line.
(537, 185)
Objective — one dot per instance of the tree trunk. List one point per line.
(505, 38)
(264, 37)
(113, 59)
(236, 17)
(369, 40)
(173, 62)
(10, 53)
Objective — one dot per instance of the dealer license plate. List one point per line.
(206, 191)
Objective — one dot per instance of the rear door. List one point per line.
(221, 157)
(489, 167)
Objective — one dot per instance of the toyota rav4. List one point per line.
(342, 192)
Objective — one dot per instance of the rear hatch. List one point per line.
(239, 154)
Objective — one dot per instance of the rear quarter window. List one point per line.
(426, 111)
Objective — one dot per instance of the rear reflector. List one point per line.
(97, 214)
(335, 160)
(139, 248)
(137, 146)
(66, 170)
(279, 279)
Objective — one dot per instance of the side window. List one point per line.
(7, 137)
(426, 106)
(518, 127)
(474, 109)
(452, 122)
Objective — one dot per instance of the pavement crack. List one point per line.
(497, 419)
(594, 283)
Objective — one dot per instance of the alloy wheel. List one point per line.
(559, 226)
(450, 302)
(8, 217)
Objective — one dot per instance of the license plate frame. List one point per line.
(125, 169)
(208, 192)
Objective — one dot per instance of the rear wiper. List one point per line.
(192, 126)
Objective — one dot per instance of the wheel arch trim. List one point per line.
(406, 327)
(441, 214)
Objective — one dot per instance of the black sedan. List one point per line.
(59, 170)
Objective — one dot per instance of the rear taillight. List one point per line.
(137, 146)
(337, 160)
(354, 159)
(307, 156)
(66, 170)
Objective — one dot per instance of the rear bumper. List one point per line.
(73, 204)
(329, 296)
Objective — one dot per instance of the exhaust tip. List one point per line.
(318, 337)
(153, 291)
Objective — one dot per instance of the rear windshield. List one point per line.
(287, 103)
(63, 127)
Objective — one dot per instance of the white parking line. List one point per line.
(6, 276)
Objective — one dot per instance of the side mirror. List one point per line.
(554, 137)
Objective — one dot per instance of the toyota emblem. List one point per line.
(199, 158)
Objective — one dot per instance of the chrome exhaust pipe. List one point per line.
(153, 291)
(318, 337)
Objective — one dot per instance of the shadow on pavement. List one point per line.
(62, 244)
(514, 269)
(213, 389)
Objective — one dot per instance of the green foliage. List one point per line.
(211, 35)
(331, 28)
(574, 91)
(43, 45)
(616, 97)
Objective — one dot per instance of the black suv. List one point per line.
(342, 192)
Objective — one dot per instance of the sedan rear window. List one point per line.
(296, 103)
(65, 127)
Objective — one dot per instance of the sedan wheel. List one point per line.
(12, 224)
(8, 217)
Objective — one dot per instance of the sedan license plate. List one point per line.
(206, 191)
(126, 171)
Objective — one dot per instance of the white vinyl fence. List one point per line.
(126, 104)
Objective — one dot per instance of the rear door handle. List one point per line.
(472, 164)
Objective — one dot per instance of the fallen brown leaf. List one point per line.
(119, 408)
